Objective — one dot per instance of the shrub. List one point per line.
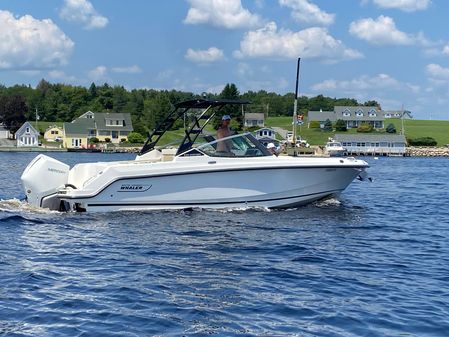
(365, 128)
(135, 137)
(123, 140)
(314, 125)
(107, 140)
(423, 141)
(327, 126)
(390, 128)
(93, 140)
(340, 125)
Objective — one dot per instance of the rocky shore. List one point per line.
(418, 151)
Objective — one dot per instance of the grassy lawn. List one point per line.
(439, 130)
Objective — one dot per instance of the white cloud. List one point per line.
(82, 12)
(381, 31)
(306, 12)
(98, 74)
(315, 42)
(210, 55)
(361, 83)
(446, 50)
(127, 70)
(228, 14)
(437, 72)
(404, 5)
(61, 76)
(27, 43)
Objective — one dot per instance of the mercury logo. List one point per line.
(134, 188)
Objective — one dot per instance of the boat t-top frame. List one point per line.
(197, 122)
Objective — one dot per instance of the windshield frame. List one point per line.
(252, 147)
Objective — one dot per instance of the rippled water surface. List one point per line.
(375, 262)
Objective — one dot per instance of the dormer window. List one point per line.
(346, 113)
(359, 113)
(27, 130)
(372, 114)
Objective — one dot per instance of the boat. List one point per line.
(334, 148)
(195, 174)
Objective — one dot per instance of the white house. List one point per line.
(266, 135)
(27, 135)
(254, 119)
(4, 132)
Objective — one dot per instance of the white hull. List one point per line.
(204, 182)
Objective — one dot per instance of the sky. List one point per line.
(393, 51)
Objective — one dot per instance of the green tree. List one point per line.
(135, 137)
(12, 112)
(327, 126)
(340, 125)
(365, 128)
(390, 128)
(230, 92)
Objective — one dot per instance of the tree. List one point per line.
(340, 125)
(231, 92)
(390, 128)
(365, 128)
(327, 126)
(135, 137)
(12, 112)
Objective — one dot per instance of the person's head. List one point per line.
(272, 148)
(225, 120)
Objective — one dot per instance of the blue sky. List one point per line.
(393, 51)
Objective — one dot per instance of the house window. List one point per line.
(27, 130)
(124, 133)
(346, 113)
(104, 133)
(359, 113)
(372, 114)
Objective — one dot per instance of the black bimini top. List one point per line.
(210, 108)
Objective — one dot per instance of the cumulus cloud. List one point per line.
(437, 72)
(228, 14)
(306, 12)
(98, 74)
(29, 43)
(446, 50)
(210, 55)
(361, 83)
(380, 31)
(82, 12)
(127, 70)
(61, 76)
(404, 5)
(315, 42)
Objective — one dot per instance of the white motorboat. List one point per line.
(197, 174)
(334, 148)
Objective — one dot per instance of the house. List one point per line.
(398, 114)
(254, 119)
(105, 126)
(4, 132)
(354, 116)
(266, 135)
(373, 144)
(53, 133)
(27, 135)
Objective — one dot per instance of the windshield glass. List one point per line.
(235, 146)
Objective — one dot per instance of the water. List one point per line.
(375, 262)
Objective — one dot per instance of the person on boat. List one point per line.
(223, 132)
(272, 149)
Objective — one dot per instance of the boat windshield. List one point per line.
(244, 145)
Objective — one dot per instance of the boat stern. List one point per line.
(42, 179)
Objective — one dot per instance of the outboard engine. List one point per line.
(42, 179)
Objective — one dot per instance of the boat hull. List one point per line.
(218, 189)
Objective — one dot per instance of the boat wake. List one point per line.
(18, 206)
(331, 202)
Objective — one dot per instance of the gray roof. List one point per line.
(79, 127)
(101, 117)
(254, 115)
(352, 110)
(374, 138)
(22, 129)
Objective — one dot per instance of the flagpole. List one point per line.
(295, 108)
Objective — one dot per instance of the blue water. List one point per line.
(375, 262)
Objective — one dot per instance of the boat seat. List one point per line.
(81, 173)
